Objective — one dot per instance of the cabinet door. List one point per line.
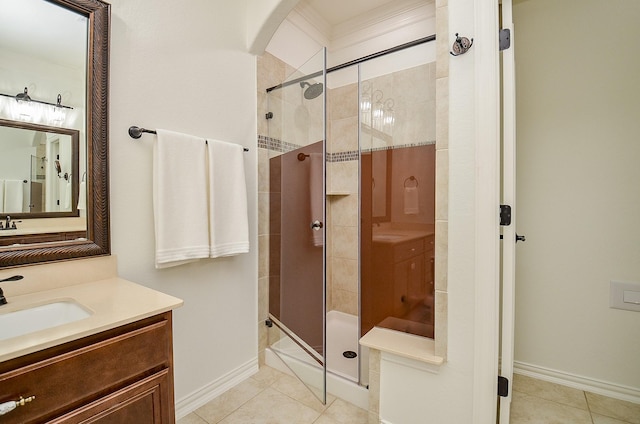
(82, 371)
(409, 285)
(139, 403)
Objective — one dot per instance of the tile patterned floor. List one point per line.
(272, 397)
(539, 402)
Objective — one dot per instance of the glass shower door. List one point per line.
(297, 216)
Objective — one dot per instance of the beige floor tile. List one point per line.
(214, 411)
(527, 409)
(272, 407)
(374, 418)
(295, 389)
(619, 409)
(550, 391)
(267, 375)
(191, 419)
(600, 419)
(347, 413)
(323, 419)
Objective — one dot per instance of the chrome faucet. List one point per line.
(3, 300)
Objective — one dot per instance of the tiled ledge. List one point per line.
(401, 344)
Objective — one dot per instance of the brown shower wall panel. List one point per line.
(296, 292)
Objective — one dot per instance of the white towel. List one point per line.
(180, 199)
(13, 196)
(228, 215)
(316, 194)
(411, 201)
(67, 195)
(82, 196)
(1, 196)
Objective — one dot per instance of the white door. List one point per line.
(508, 198)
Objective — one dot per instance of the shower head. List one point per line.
(312, 91)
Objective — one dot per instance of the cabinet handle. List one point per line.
(11, 405)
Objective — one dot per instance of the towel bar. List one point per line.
(136, 132)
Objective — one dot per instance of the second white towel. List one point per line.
(228, 215)
(411, 201)
(316, 195)
(13, 196)
(1, 195)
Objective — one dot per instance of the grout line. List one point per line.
(586, 399)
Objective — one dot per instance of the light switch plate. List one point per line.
(624, 296)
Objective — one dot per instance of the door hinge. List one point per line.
(505, 215)
(504, 37)
(503, 386)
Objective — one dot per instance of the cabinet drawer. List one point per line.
(428, 241)
(139, 403)
(406, 250)
(66, 380)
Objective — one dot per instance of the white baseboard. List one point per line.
(205, 394)
(586, 384)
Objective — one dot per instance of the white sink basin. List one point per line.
(41, 317)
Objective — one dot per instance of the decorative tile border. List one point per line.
(274, 144)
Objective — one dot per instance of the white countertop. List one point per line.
(45, 226)
(394, 236)
(402, 344)
(113, 302)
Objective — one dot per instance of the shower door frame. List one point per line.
(303, 348)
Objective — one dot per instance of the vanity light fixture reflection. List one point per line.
(27, 109)
(377, 112)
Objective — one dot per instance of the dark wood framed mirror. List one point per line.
(97, 240)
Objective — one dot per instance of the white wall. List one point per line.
(578, 87)
(184, 68)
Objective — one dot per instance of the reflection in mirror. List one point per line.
(397, 109)
(38, 170)
(56, 52)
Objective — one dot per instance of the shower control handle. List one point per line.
(316, 225)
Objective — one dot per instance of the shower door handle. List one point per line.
(316, 225)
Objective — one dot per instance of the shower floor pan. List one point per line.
(342, 343)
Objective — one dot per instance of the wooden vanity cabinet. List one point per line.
(123, 375)
(403, 280)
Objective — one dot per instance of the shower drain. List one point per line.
(350, 354)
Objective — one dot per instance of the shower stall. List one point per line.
(351, 173)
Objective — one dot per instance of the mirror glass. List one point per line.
(53, 129)
(38, 171)
(43, 49)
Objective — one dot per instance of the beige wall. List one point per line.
(578, 173)
(191, 75)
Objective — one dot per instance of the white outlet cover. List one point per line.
(617, 295)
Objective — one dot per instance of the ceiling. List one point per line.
(336, 12)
